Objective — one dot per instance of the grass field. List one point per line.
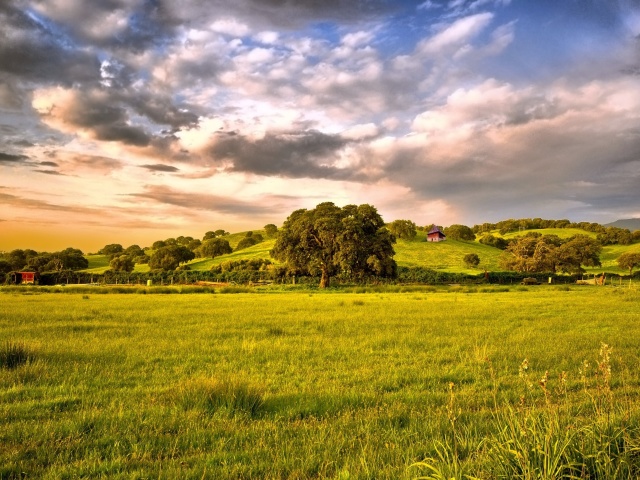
(337, 385)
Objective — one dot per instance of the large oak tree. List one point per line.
(330, 240)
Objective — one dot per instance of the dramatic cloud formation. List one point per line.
(231, 114)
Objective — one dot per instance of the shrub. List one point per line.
(230, 397)
(247, 242)
(12, 355)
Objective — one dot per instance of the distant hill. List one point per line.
(629, 223)
(442, 256)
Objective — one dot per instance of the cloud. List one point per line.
(16, 201)
(295, 154)
(33, 50)
(48, 172)
(456, 35)
(92, 112)
(494, 148)
(442, 103)
(212, 203)
(92, 162)
(160, 168)
(12, 158)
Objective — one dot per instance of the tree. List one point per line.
(111, 249)
(5, 267)
(141, 259)
(537, 253)
(133, 251)
(214, 247)
(577, 251)
(158, 244)
(404, 229)
(471, 260)
(39, 262)
(67, 259)
(629, 260)
(329, 240)
(17, 258)
(194, 244)
(270, 229)
(170, 256)
(209, 235)
(615, 235)
(497, 242)
(459, 232)
(122, 263)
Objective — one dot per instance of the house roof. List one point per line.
(435, 229)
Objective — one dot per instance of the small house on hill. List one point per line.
(436, 235)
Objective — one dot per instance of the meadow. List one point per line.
(366, 383)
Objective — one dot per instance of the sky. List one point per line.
(130, 121)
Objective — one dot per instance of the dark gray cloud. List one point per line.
(134, 26)
(46, 46)
(158, 167)
(31, 51)
(158, 108)
(49, 172)
(286, 14)
(296, 154)
(12, 158)
(49, 164)
(95, 111)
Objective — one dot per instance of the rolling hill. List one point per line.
(442, 256)
(629, 223)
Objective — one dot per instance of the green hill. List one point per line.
(560, 232)
(261, 250)
(444, 256)
(97, 263)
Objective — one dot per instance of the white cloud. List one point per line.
(357, 39)
(456, 35)
(267, 37)
(361, 132)
(231, 27)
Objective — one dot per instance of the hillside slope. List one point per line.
(444, 256)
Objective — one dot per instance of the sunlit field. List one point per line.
(489, 382)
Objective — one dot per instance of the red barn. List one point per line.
(25, 277)
(436, 235)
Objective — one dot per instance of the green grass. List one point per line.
(307, 385)
(609, 257)
(97, 263)
(446, 256)
(261, 250)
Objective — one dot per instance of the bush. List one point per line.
(247, 242)
(12, 355)
(471, 260)
(230, 397)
